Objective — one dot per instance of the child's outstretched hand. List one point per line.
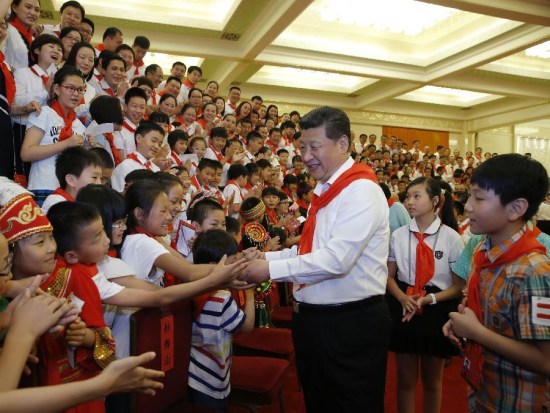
(75, 333)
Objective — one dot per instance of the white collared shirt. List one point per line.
(29, 87)
(126, 139)
(349, 255)
(447, 249)
(15, 49)
(127, 166)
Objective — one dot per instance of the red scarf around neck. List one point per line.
(111, 139)
(128, 127)
(526, 244)
(271, 216)
(425, 264)
(138, 65)
(67, 130)
(219, 155)
(8, 79)
(64, 194)
(43, 77)
(25, 33)
(176, 158)
(356, 172)
(232, 182)
(134, 157)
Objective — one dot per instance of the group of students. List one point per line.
(164, 180)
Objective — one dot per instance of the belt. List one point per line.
(306, 308)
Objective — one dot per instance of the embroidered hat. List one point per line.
(20, 216)
(254, 212)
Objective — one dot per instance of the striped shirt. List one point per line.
(211, 341)
(506, 295)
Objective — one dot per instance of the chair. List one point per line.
(281, 315)
(257, 381)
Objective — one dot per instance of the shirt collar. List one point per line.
(432, 229)
(141, 158)
(320, 188)
(493, 252)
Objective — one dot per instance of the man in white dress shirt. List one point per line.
(341, 321)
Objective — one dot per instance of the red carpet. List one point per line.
(454, 392)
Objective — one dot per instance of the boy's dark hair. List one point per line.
(280, 151)
(110, 204)
(141, 194)
(134, 92)
(252, 168)
(303, 189)
(200, 210)
(335, 121)
(206, 163)
(278, 232)
(68, 219)
(89, 22)
(170, 78)
(288, 124)
(191, 69)
(175, 136)
(289, 180)
(513, 176)
(166, 180)
(211, 245)
(263, 164)
(245, 120)
(178, 63)
(216, 164)
(106, 61)
(142, 80)
(142, 42)
(296, 158)
(275, 129)
(127, 47)
(138, 175)
(106, 109)
(458, 173)
(145, 127)
(270, 190)
(76, 5)
(159, 117)
(111, 32)
(232, 225)
(433, 188)
(104, 157)
(218, 132)
(236, 170)
(252, 136)
(73, 161)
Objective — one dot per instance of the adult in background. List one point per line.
(341, 322)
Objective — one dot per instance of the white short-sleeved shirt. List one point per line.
(16, 50)
(50, 201)
(231, 189)
(127, 166)
(448, 246)
(42, 175)
(106, 288)
(140, 251)
(29, 87)
(114, 268)
(125, 139)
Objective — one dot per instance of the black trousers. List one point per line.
(341, 358)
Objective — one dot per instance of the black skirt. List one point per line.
(423, 334)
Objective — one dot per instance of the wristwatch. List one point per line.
(434, 301)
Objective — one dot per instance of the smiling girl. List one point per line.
(53, 130)
(25, 13)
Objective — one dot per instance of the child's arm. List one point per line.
(249, 311)
(120, 376)
(31, 149)
(533, 356)
(78, 335)
(454, 291)
(407, 302)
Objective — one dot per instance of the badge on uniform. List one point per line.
(540, 310)
(438, 254)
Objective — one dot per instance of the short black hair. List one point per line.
(175, 136)
(177, 62)
(335, 121)
(106, 109)
(142, 80)
(512, 176)
(252, 168)
(68, 219)
(236, 170)
(159, 117)
(76, 5)
(218, 132)
(232, 225)
(170, 78)
(206, 163)
(111, 32)
(288, 124)
(253, 136)
(104, 157)
(72, 161)
(145, 127)
(152, 68)
(263, 164)
(280, 151)
(89, 22)
(42, 40)
(138, 175)
(270, 190)
(107, 59)
(142, 42)
(211, 245)
(135, 92)
(191, 69)
(202, 208)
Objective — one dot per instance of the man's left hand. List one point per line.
(256, 272)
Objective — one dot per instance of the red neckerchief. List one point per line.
(232, 182)
(391, 201)
(25, 33)
(425, 264)
(463, 227)
(287, 192)
(111, 139)
(8, 79)
(271, 216)
(135, 158)
(195, 182)
(356, 172)
(248, 187)
(44, 78)
(64, 194)
(138, 65)
(110, 92)
(176, 158)
(219, 155)
(100, 47)
(272, 146)
(154, 97)
(113, 253)
(284, 171)
(526, 244)
(67, 130)
(187, 83)
(128, 127)
(302, 204)
(99, 77)
(232, 106)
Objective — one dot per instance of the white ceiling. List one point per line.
(469, 60)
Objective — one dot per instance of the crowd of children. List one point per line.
(133, 191)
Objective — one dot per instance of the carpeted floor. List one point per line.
(454, 392)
